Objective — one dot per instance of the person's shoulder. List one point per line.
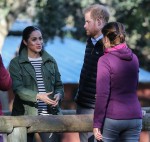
(104, 58)
(47, 56)
(135, 57)
(14, 60)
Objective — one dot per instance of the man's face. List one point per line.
(91, 26)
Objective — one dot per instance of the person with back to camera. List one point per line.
(96, 16)
(36, 79)
(118, 114)
(5, 85)
(5, 80)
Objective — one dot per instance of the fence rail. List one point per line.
(17, 127)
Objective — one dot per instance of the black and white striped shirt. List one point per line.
(36, 63)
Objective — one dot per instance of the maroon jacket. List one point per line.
(5, 80)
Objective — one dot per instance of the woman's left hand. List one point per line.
(97, 134)
(57, 98)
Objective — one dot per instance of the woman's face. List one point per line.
(106, 42)
(35, 42)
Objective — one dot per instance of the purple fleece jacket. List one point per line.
(116, 86)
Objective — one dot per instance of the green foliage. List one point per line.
(56, 16)
(74, 9)
(136, 18)
(51, 17)
(134, 14)
(62, 17)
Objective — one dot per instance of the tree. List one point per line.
(134, 14)
(62, 17)
(54, 15)
(10, 11)
(51, 18)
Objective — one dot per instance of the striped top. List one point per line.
(36, 63)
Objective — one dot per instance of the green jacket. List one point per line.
(24, 82)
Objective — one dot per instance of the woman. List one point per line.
(117, 115)
(36, 79)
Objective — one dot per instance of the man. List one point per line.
(95, 18)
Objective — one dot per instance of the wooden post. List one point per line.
(19, 134)
(147, 109)
(17, 127)
(61, 123)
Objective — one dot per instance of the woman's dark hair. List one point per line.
(26, 34)
(114, 31)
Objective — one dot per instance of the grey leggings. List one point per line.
(122, 130)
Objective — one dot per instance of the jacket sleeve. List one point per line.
(58, 83)
(18, 87)
(102, 92)
(5, 79)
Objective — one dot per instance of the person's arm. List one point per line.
(59, 90)
(5, 79)
(102, 92)
(17, 85)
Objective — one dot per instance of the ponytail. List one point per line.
(22, 46)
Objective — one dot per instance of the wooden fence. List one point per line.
(17, 127)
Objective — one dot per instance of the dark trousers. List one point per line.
(46, 137)
(85, 136)
(30, 137)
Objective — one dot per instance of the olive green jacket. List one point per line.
(24, 82)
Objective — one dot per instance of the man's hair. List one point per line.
(97, 11)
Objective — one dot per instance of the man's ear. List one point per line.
(99, 21)
(25, 42)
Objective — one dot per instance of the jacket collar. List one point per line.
(99, 42)
(24, 56)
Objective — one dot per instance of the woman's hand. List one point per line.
(45, 98)
(97, 134)
(57, 97)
